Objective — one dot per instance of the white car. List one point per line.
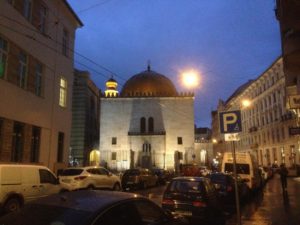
(89, 178)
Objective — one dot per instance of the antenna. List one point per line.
(148, 65)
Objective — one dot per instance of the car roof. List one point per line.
(83, 167)
(190, 178)
(86, 200)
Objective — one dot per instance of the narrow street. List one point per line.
(269, 207)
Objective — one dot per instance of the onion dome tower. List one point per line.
(111, 88)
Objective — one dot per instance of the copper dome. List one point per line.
(149, 83)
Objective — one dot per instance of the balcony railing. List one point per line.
(288, 116)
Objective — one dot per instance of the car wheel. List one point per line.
(117, 187)
(12, 205)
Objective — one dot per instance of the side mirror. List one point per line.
(109, 174)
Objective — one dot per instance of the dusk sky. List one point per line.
(227, 41)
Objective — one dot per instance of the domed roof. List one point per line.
(111, 80)
(149, 83)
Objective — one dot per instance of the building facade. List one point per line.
(203, 147)
(36, 67)
(85, 119)
(147, 125)
(266, 122)
(288, 15)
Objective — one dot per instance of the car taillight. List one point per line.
(168, 202)
(80, 178)
(199, 204)
(229, 188)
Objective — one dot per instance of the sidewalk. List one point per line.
(272, 206)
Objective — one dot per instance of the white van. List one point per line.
(21, 183)
(246, 168)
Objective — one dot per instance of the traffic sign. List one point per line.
(232, 137)
(230, 122)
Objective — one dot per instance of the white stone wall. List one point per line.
(118, 116)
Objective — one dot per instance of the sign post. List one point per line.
(230, 126)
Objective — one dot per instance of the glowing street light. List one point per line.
(246, 103)
(190, 78)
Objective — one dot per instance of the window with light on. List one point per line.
(63, 92)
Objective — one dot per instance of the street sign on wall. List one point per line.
(230, 122)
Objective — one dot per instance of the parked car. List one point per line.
(22, 183)
(139, 178)
(91, 177)
(225, 185)
(92, 207)
(162, 175)
(195, 198)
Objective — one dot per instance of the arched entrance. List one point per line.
(95, 157)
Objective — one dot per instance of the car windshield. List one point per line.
(71, 172)
(185, 186)
(42, 215)
(240, 168)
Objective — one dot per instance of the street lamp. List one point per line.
(246, 103)
(190, 78)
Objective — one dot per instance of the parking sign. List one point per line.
(230, 122)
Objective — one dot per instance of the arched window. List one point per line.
(150, 125)
(143, 125)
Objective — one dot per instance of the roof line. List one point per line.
(73, 13)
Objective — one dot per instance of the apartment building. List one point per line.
(266, 122)
(36, 78)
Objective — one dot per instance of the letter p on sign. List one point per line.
(230, 122)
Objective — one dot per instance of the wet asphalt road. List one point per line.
(271, 206)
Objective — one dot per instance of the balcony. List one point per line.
(133, 133)
(288, 116)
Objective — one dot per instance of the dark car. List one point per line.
(162, 175)
(90, 207)
(225, 185)
(195, 198)
(138, 178)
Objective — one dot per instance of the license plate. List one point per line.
(183, 213)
